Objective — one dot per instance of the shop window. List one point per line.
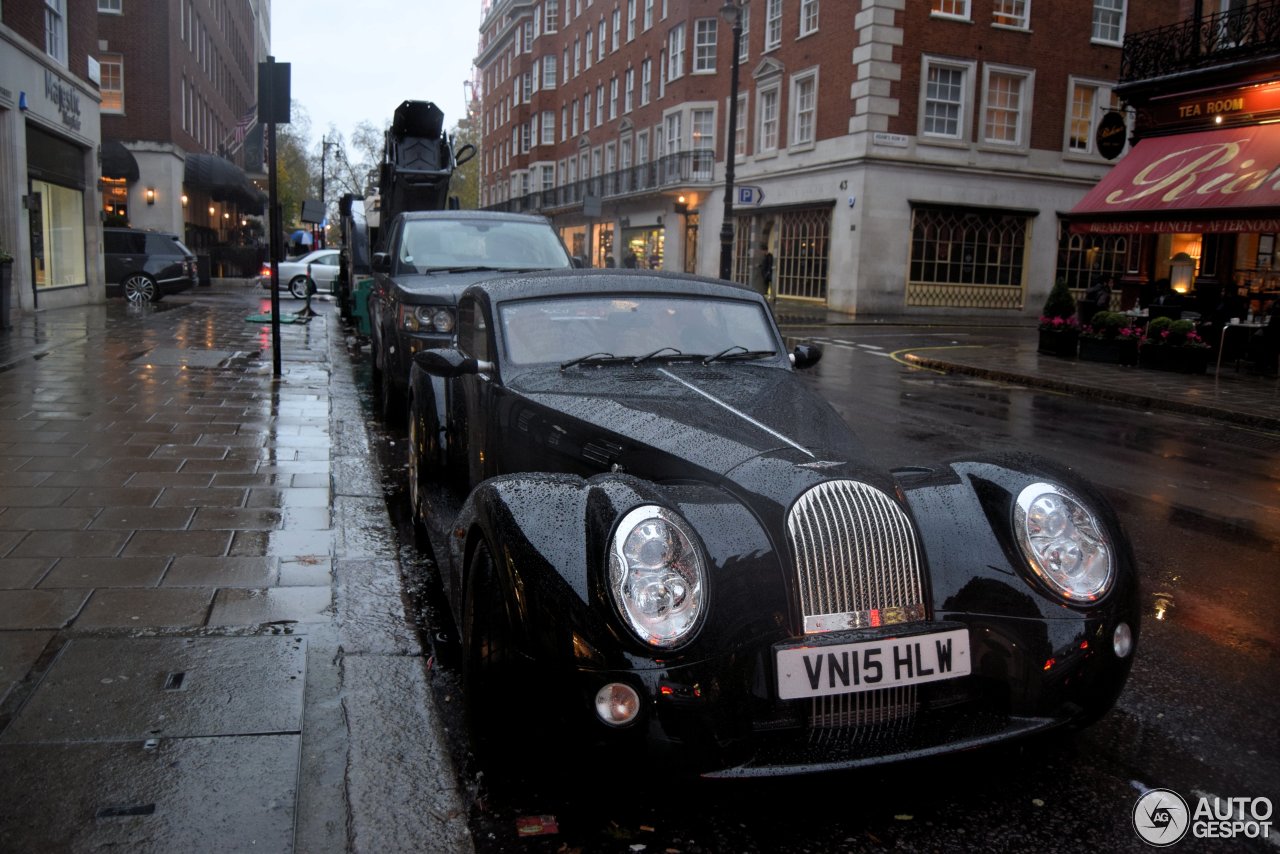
(112, 83)
(967, 258)
(57, 235)
(1083, 257)
(804, 247)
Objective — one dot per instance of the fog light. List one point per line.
(1123, 640)
(617, 704)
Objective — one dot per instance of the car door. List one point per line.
(324, 270)
(471, 399)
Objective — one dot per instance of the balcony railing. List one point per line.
(1212, 40)
(686, 169)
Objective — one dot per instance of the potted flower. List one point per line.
(1059, 328)
(1110, 338)
(1173, 345)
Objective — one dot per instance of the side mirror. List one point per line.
(805, 356)
(381, 262)
(580, 262)
(449, 363)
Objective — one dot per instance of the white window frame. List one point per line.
(613, 97)
(629, 91)
(549, 71)
(1016, 20)
(574, 115)
(772, 25)
(647, 22)
(114, 7)
(704, 45)
(963, 9)
(796, 120)
(744, 44)
(808, 17)
(586, 111)
(964, 129)
(602, 40)
(1022, 130)
(616, 35)
(768, 126)
(631, 21)
(646, 80)
(673, 132)
(564, 122)
(599, 104)
(55, 30)
(675, 52)
(1102, 94)
(548, 127)
(739, 135)
(112, 61)
(1107, 8)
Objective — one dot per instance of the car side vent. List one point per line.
(602, 452)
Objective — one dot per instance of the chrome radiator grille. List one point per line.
(857, 566)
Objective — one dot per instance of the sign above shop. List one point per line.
(1110, 136)
(64, 97)
(1247, 105)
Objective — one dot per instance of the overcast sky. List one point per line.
(356, 60)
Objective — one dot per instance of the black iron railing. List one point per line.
(686, 169)
(1215, 39)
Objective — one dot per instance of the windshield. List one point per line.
(445, 244)
(564, 329)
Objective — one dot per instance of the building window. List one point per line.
(586, 111)
(772, 24)
(675, 52)
(767, 131)
(629, 91)
(703, 128)
(617, 30)
(549, 72)
(552, 16)
(1004, 108)
(55, 30)
(1083, 257)
(808, 17)
(613, 99)
(951, 9)
(112, 6)
(646, 80)
(1108, 21)
(1086, 102)
(590, 43)
(804, 104)
(648, 15)
(574, 114)
(601, 40)
(704, 44)
(631, 21)
(967, 258)
(740, 132)
(1012, 13)
(113, 82)
(564, 123)
(600, 105)
(744, 43)
(548, 127)
(945, 95)
(577, 57)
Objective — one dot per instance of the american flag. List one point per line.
(246, 121)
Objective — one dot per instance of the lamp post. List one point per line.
(731, 12)
(324, 151)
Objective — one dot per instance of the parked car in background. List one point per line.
(428, 257)
(668, 548)
(315, 272)
(144, 266)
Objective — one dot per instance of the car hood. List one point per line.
(681, 421)
(433, 288)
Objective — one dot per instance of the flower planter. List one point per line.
(1186, 360)
(1059, 342)
(1114, 351)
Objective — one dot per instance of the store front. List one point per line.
(643, 247)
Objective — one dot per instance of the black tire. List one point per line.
(140, 288)
(488, 659)
(423, 453)
(391, 400)
(300, 286)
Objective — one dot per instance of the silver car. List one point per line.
(315, 272)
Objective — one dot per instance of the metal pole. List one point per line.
(276, 224)
(324, 151)
(730, 151)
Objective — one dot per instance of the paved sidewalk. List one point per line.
(203, 644)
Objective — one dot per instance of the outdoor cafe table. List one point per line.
(1235, 323)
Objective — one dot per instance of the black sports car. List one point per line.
(671, 543)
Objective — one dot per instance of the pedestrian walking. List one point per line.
(766, 269)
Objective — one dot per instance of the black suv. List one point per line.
(143, 266)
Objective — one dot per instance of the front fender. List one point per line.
(549, 535)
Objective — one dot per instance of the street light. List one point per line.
(732, 13)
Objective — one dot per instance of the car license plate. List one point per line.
(818, 671)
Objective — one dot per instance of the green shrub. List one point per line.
(1060, 302)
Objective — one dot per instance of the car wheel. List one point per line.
(488, 658)
(140, 288)
(391, 400)
(300, 285)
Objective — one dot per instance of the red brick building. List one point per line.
(894, 157)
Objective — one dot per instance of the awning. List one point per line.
(118, 161)
(1212, 181)
(224, 181)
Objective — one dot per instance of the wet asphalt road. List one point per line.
(1198, 499)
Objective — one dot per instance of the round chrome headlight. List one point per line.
(656, 575)
(1063, 542)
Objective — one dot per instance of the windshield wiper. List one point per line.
(647, 356)
(599, 358)
(737, 351)
(474, 269)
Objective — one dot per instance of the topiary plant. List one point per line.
(1059, 303)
